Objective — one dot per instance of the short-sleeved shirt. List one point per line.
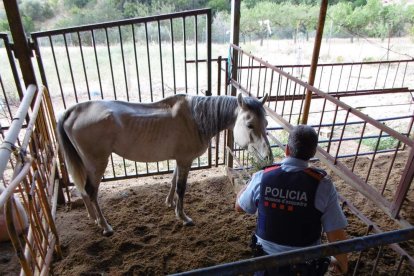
(326, 201)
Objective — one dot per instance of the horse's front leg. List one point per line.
(182, 174)
(169, 201)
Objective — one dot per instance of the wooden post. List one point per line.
(234, 39)
(315, 57)
(21, 47)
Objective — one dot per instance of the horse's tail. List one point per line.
(74, 162)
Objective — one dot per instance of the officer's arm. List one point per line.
(236, 205)
(339, 235)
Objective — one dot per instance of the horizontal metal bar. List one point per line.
(106, 179)
(117, 23)
(329, 64)
(332, 99)
(343, 94)
(301, 255)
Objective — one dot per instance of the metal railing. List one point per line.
(302, 255)
(31, 174)
(344, 131)
(140, 59)
(10, 87)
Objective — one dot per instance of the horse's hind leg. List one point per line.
(169, 201)
(92, 191)
(89, 207)
(182, 174)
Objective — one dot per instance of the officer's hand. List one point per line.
(336, 268)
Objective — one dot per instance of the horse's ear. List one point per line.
(240, 100)
(263, 100)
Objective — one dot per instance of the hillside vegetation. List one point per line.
(259, 19)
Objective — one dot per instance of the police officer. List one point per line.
(295, 204)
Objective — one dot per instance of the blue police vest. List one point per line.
(286, 207)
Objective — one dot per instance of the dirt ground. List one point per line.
(149, 240)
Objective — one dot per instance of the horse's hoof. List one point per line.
(107, 233)
(188, 223)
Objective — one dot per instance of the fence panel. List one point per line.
(139, 60)
(30, 174)
(344, 131)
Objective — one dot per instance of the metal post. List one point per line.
(315, 56)
(234, 39)
(21, 46)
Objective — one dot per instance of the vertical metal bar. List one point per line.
(271, 87)
(123, 66)
(136, 67)
(57, 71)
(83, 66)
(293, 101)
(196, 53)
(340, 77)
(185, 56)
(284, 96)
(173, 55)
(149, 62)
(405, 72)
(373, 156)
(248, 72)
(350, 75)
(400, 263)
(386, 75)
(320, 79)
(369, 228)
(376, 78)
(97, 63)
(359, 146)
(251, 78)
(404, 185)
(279, 85)
(359, 77)
(110, 61)
(14, 68)
(332, 129)
(342, 136)
(258, 80)
(374, 268)
(209, 93)
(70, 68)
(390, 168)
(396, 74)
(322, 114)
(330, 79)
(160, 53)
(264, 82)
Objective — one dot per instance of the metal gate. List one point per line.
(141, 60)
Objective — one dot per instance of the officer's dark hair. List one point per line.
(302, 142)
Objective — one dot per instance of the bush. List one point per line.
(36, 10)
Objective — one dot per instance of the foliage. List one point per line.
(260, 19)
(36, 10)
(384, 143)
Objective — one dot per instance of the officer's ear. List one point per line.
(287, 151)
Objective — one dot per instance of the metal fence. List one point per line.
(10, 87)
(29, 176)
(351, 144)
(141, 60)
(344, 132)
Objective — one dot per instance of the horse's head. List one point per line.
(250, 128)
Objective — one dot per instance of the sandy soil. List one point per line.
(149, 240)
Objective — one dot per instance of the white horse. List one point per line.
(179, 127)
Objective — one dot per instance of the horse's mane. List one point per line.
(213, 114)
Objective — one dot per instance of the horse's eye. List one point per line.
(250, 126)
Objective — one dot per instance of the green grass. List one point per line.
(384, 143)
